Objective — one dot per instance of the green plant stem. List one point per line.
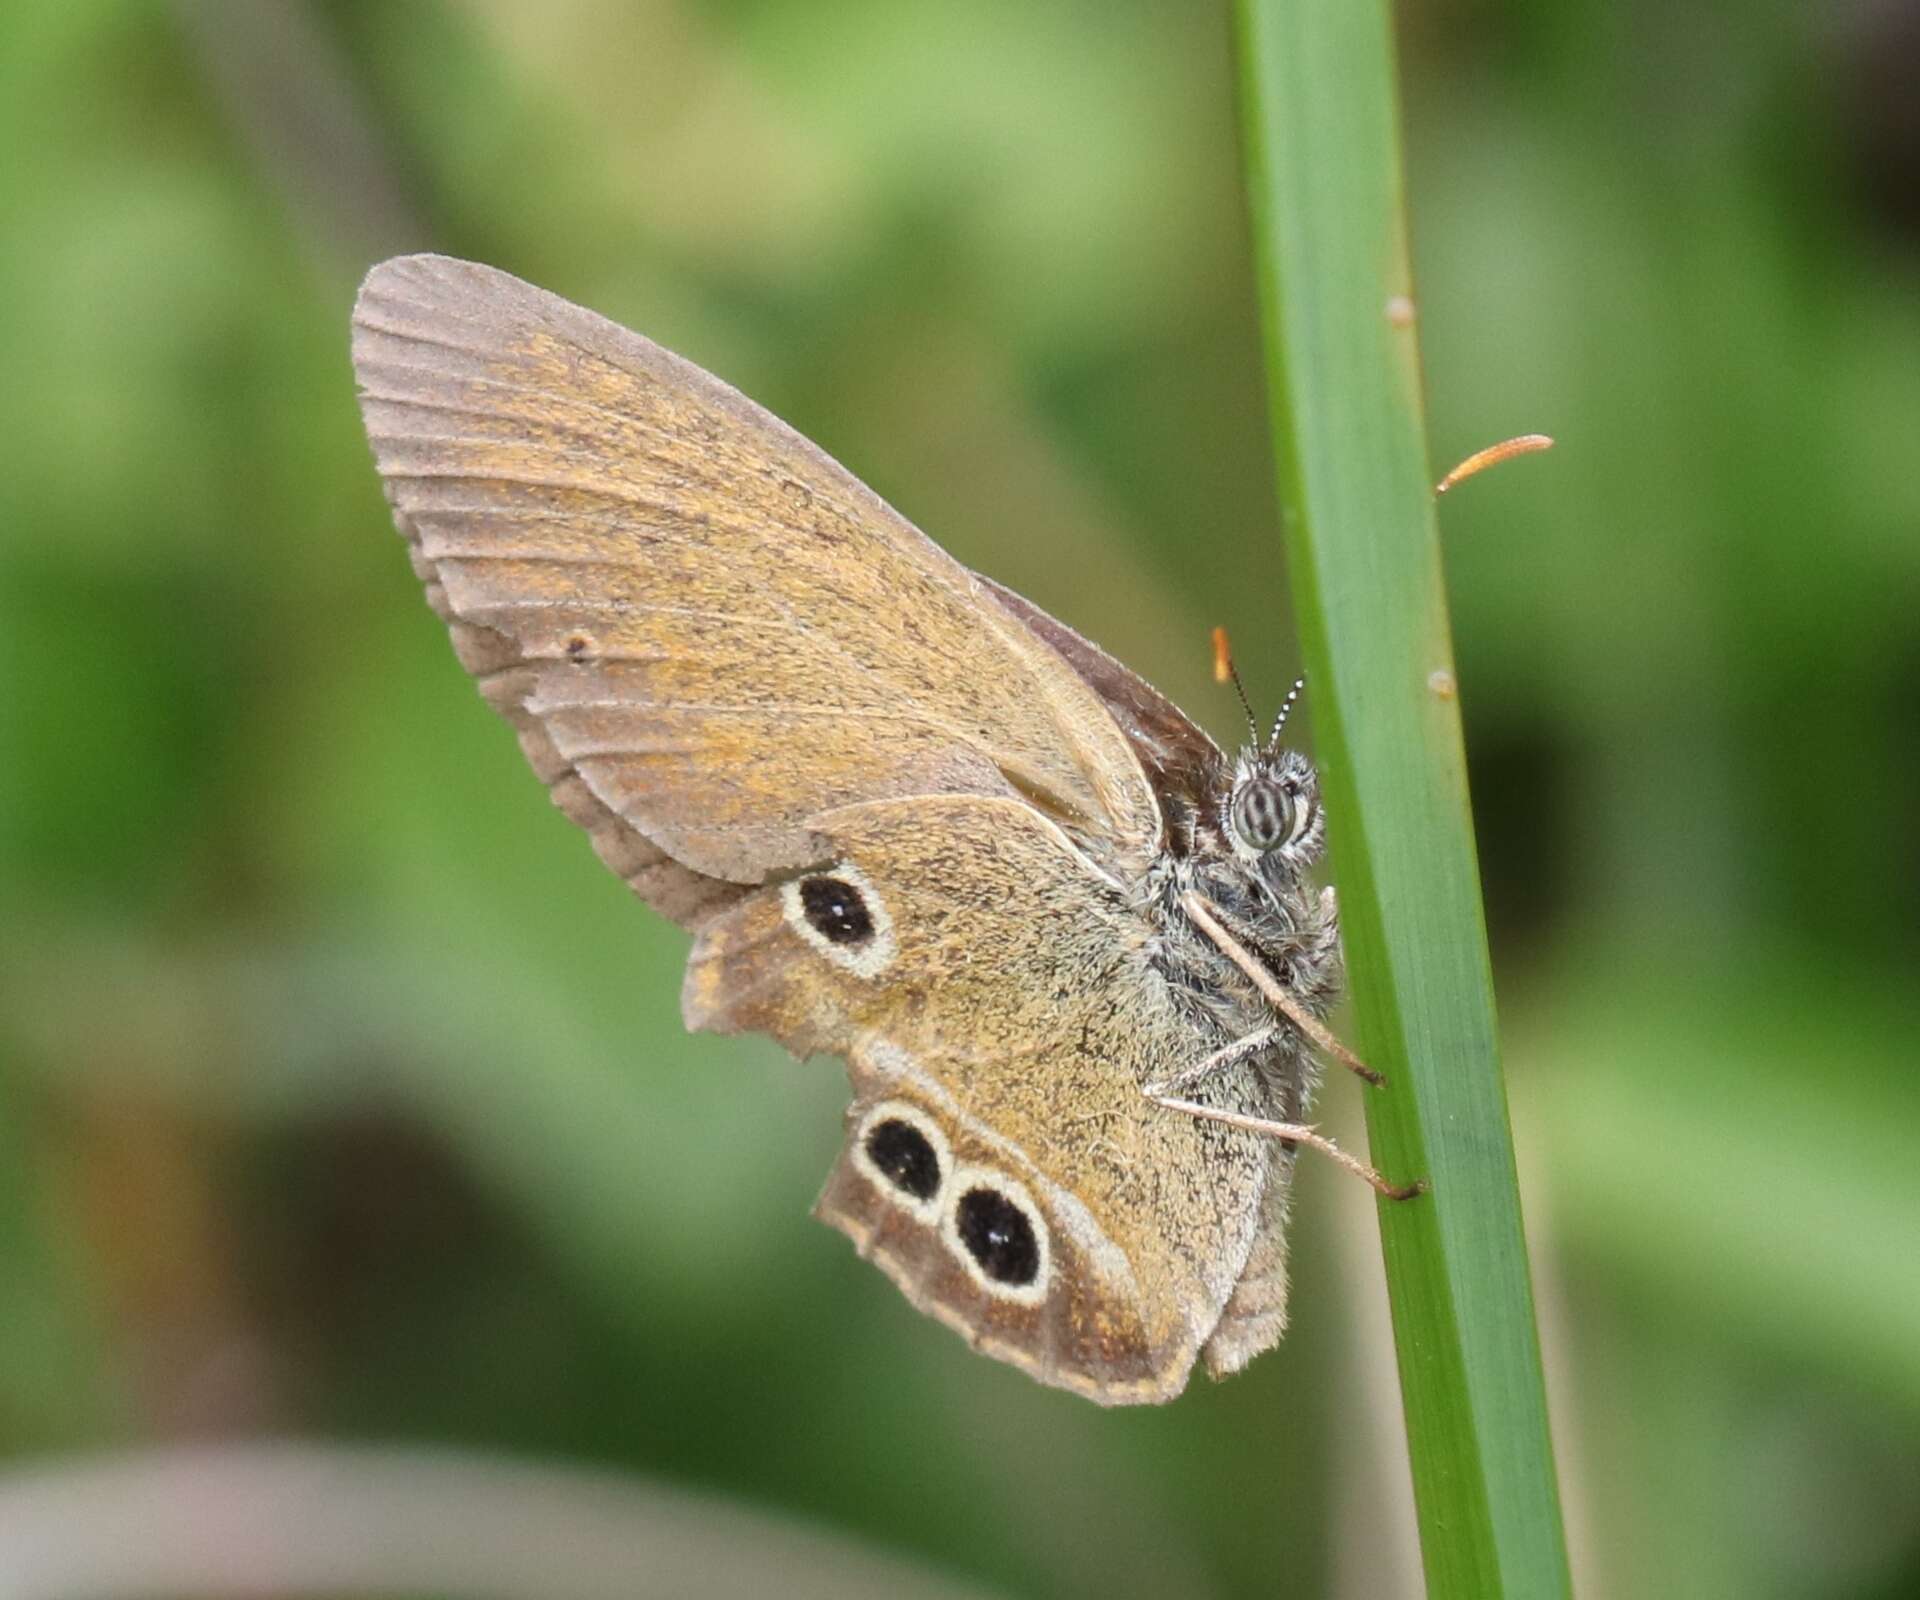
(1323, 159)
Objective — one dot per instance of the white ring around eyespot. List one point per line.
(960, 1183)
(927, 1210)
(866, 960)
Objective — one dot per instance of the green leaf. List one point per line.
(1323, 161)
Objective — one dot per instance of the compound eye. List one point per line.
(1264, 814)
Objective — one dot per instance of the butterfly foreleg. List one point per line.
(1205, 917)
(1297, 1133)
(1230, 1055)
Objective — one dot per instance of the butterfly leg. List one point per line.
(1204, 916)
(1295, 1133)
(1227, 1056)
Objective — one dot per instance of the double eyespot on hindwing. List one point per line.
(987, 1220)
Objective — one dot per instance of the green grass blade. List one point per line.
(1323, 160)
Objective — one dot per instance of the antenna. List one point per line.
(1286, 710)
(1224, 671)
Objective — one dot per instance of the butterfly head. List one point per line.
(1272, 809)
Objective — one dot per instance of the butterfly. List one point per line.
(1066, 946)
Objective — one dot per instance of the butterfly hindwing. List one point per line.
(997, 1002)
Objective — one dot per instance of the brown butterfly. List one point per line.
(1066, 947)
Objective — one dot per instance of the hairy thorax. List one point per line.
(1288, 925)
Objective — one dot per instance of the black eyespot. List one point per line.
(906, 1156)
(1263, 814)
(998, 1235)
(836, 909)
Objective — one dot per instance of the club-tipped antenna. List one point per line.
(1224, 671)
(1286, 710)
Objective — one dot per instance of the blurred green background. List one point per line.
(343, 1093)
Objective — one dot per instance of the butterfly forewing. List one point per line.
(718, 629)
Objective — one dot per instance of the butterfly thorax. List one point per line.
(1245, 841)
